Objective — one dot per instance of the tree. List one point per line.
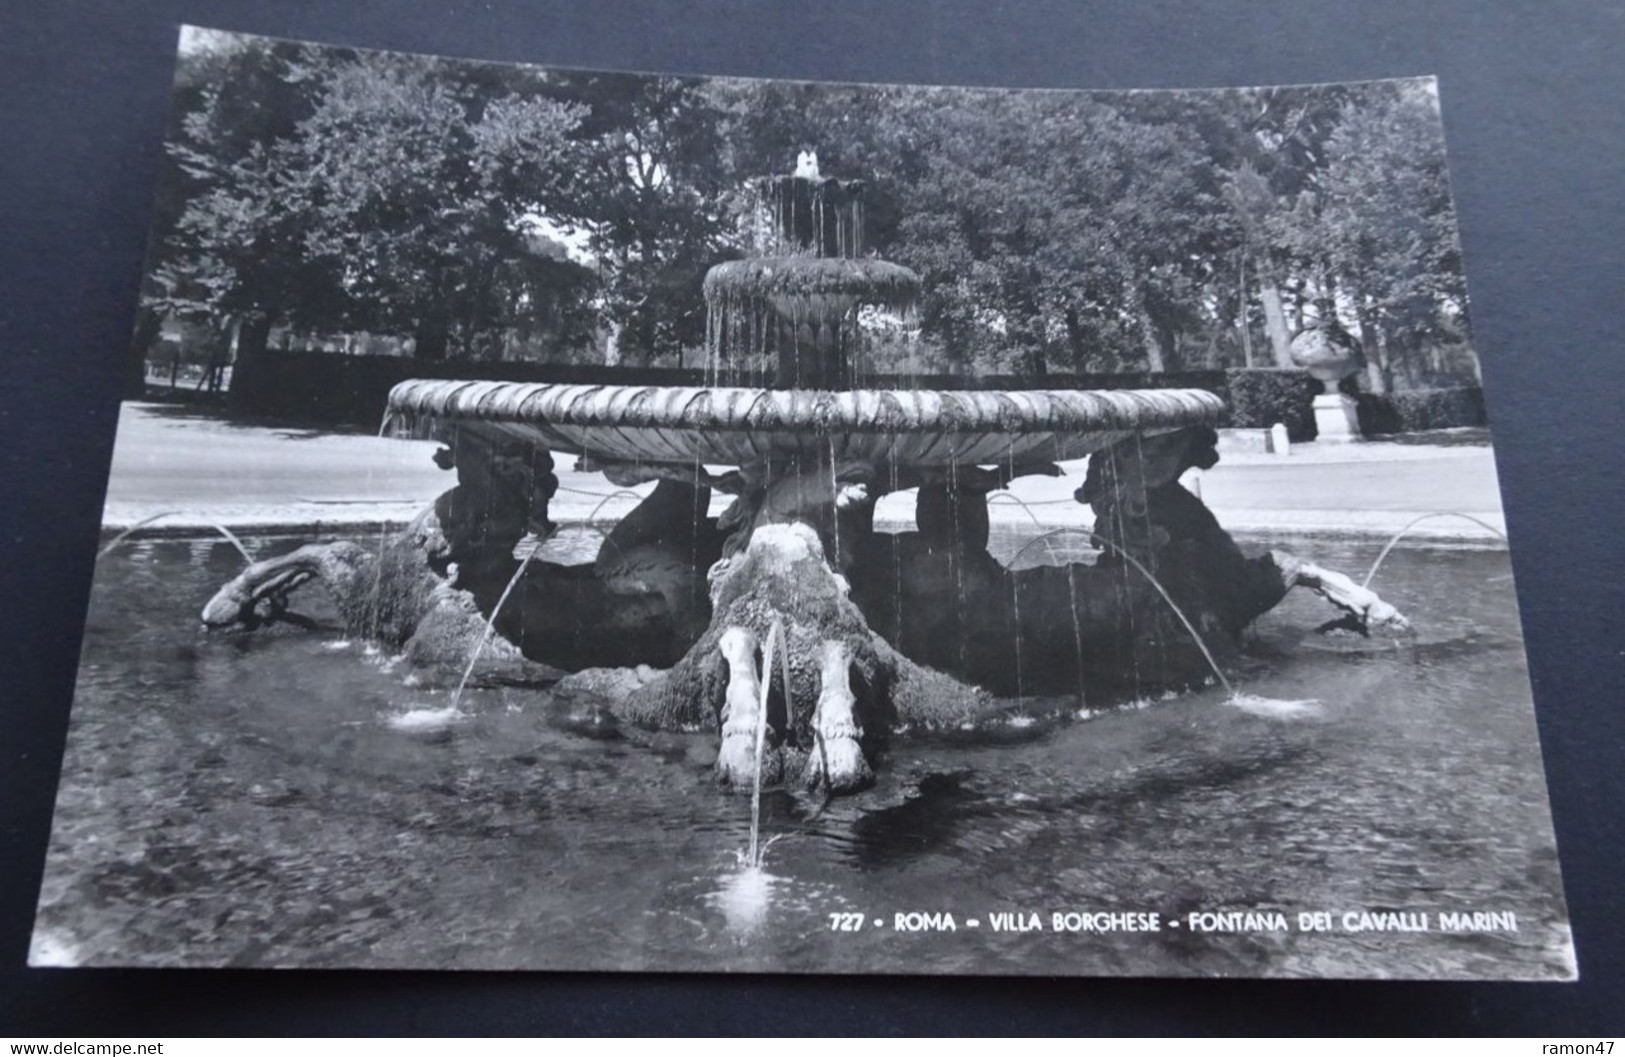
(650, 193)
(473, 205)
(1056, 221)
(334, 190)
(1386, 227)
(413, 190)
(214, 255)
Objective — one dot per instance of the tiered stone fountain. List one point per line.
(883, 631)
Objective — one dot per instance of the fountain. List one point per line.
(880, 631)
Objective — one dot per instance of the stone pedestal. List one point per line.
(1335, 418)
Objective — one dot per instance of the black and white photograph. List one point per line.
(579, 520)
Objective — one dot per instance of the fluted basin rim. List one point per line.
(864, 278)
(798, 410)
(756, 410)
(738, 426)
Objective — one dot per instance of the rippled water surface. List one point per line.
(258, 800)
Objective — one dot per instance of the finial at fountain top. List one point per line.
(807, 213)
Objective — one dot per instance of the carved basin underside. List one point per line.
(736, 426)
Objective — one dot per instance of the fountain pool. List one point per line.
(252, 800)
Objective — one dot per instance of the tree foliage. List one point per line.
(650, 196)
(412, 191)
(477, 209)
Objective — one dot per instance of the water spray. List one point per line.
(1417, 521)
(127, 533)
(490, 626)
(775, 639)
(1247, 702)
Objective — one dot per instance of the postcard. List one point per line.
(579, 520)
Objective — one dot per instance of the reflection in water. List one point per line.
(1415, 521)
(1272, 708)
(248, 800)
(225, 533)
(426, 720)
(924, 822)
(50, 951)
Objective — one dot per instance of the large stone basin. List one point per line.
(737, 426)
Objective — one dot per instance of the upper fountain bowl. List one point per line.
(739, 426)
(866, 279)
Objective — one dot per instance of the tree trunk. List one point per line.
(1371, 344)
(1076, 339)
(1404, 352)
(1241, 315)
(1149, 337)
(1374, 380)
(432, 337)
(1269, 295)
(249, 367)
(1040, 365)
(221, 353)
(1384, 357)
(148, 324)
(1153, 347)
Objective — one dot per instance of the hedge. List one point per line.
(1260, 397)
(331, 389)
(1421, 409)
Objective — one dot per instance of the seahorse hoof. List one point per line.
(838, 767)
(736, 762)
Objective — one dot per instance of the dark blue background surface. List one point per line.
(1534, 106)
